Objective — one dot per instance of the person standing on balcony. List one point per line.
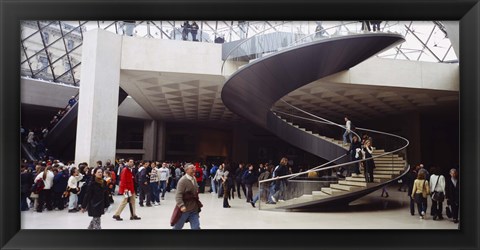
(375, 25)
(129, 27)
(186, 29)
(194, 30)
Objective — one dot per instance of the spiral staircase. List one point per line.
(263, 79)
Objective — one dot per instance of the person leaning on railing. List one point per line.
(280, 184)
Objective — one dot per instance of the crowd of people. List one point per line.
(35, 137)
(53, 185)
(422, 184)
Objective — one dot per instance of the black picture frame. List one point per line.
(467, 11)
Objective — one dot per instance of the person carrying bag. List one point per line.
(420, 192)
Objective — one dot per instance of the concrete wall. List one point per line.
(41, 93)
(171, 56)
(401, 73)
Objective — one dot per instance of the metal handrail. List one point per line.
(320, 168)
(248, 40)
(295, 43)
(328, 121)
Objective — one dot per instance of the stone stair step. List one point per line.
(385, 172)
(390, 163)
(362, 179)
(353, 183)
(319, 193)
(386, 167)
(347, 188)
(379, 176)
(332, 191)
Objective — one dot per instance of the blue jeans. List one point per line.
(173, 183)
(213, 186)
(192, 216)
(271, 191)
(349, 134)
(155, 192)
(257, 196)
(280, 187)
(163, 187)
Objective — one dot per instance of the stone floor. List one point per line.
(369, 212)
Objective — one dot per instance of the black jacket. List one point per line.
(249, 178)
(26, 182)
(452, 192)
(60, 182)
(96, 199)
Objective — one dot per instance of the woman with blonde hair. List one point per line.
(280, 184)
(421, 189)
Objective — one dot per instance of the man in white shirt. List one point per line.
(348, 131)
(163, 174)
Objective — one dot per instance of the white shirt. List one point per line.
(441, 183)
(191, 179)
(163, 173)
(73, 181)
(49, 180)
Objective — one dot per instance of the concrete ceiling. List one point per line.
(363, 102)
(188, 97)
(177, 97)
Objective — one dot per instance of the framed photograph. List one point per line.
(428, 24)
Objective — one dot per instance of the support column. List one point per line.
(150, 140)
(161, 135)
(98, 99)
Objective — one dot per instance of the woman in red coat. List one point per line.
(127, 188)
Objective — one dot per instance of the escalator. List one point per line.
(60, 140)
(256, 86)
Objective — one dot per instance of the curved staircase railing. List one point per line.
(307, 192)
(265, 77)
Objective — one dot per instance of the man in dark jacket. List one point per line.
(249, 178)
(452, 192)
(410, 179)
(26, 182)
(238, 179)
(60, 182)
(144, 183)
(280, 184)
